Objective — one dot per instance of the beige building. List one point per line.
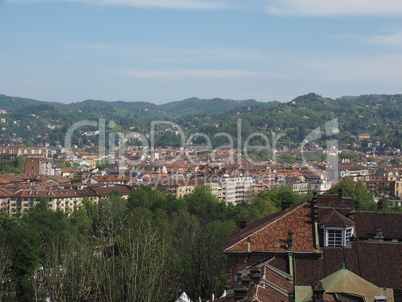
(24, 151)
(233, 189)
(64, 199)
(178, 188)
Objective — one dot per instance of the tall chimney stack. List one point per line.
(285, 204)
(380, 204)
(357, 205)
(318, 291)
(240, 292)
(340, 192)
(243, 224)
(255, 275)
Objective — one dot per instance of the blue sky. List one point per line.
(168, 50)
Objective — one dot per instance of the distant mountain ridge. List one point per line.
(10, 103)
(177, 108)
(35, 122)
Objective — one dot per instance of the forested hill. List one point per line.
(380, 116)
(201, 106)
(10, 103)
(178, 108)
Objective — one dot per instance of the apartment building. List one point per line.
(24, 151)
(233, 189)
(64, 198)
(38, 165)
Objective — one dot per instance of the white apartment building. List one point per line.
(232, 189)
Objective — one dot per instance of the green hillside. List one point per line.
(208, 106)
(10, 103)
(33, 122)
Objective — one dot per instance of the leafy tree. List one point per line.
(357, 191)
(203, 204)
(25, 245)
(312, 157)
(112, 215)
(145, 197)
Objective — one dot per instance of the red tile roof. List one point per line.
(332, 218)
(368, 222)
(270, 233)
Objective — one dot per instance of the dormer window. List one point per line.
(335, 236)
(348, 234)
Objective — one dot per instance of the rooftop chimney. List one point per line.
(314, 196)
(246, 281)
(243, 224)
(379, 233)
(318, 291)
(255, 275)
(357, 205)
(315, 212)
(285, 204)
(380, 202)
(240, 292)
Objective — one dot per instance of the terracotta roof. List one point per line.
(267, 293)
(272, 276)
(270, 233)
(333, 218)
(5, 193)
(12, 178)
(4, 181)
(334, 201)
(48, 193)
(103, 191)
(274, 285)
(351, 167)
(368, 222)
(374, 261)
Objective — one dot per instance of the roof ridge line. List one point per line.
(276, 288)
(286, 214)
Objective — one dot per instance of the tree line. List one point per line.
(151, 246)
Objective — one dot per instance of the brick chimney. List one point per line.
(357, 205)
(379, 233)
(285, 204)
(380, 203)
(255, 275)
(315, 196)
(246, 281)
(318, 291)
(240, 292)
(243, 224)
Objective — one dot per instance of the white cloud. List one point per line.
(173, 4)
(187, 73)
(393, 39)
(335, 7)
